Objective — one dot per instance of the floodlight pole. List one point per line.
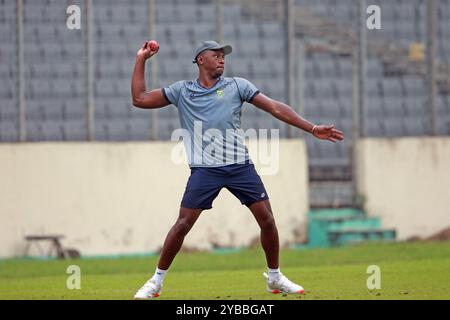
(359, 61)
(89, 80)
(20, 74)
(362, 63)
(153, 67)
(301, 81)
(219, 21)
(431, 63)
(289, 13)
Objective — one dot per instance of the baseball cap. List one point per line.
(211, 45)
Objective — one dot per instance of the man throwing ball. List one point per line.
(213, 103)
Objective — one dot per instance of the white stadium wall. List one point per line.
(407, 182)
(122, 198)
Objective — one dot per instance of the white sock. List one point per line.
(274, 274)
(159, 275)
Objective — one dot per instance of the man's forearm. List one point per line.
(286, 114)
(138, 80)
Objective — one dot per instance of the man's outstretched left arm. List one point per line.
(286, 114)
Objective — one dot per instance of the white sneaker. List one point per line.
(151, 289)
(282, 285)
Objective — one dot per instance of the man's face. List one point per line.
(212, 61)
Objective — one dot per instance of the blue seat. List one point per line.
(9, 131)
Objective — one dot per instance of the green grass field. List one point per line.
(408, 271)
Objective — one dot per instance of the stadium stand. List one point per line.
(55, 68)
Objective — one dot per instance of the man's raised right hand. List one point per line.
(146, 52)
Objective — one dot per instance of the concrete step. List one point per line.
(334, 227)
(356, 235)
(354, 224)
(332, 213)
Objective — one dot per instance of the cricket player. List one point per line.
(213, 103)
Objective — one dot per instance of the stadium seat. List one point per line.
(394, 107)
(393, 127)
(9, 131)
(415, 126)
(73, 130)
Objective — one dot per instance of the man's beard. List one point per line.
(218, 73)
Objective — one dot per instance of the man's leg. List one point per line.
(269, 234)
(172, 244)
(175, 237)
(276, 281)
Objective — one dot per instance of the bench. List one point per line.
(55, 246)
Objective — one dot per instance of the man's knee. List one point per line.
(268, 222)
(186, 220)
(182, 226)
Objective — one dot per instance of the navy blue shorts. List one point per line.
(205, 183)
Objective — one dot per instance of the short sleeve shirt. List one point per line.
(210, 119)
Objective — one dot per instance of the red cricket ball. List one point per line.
(153, 45)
